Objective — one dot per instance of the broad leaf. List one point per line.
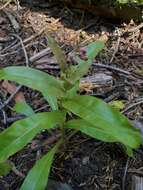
(76, 72)
(52, 100)
(38, 176)
(58, 53)
(104, 117)
(94, 132)
(34, 79)
(21, 132)
(91, 130)
(5, 168)
(23, 108)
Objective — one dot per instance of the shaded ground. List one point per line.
(84, 163)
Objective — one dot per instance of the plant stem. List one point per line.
(62, 132)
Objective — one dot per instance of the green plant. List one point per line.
(93, 116)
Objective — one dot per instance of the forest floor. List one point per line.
(83, 163)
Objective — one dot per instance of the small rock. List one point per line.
(55, 185)
(138, 125)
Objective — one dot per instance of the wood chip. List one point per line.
(137, 183)
(11, 88)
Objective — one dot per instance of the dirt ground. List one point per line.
(84, 163)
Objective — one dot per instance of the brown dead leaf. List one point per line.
(11, 88)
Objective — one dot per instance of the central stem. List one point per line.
(63, 132)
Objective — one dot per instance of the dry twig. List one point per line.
(10, 98)
(24, 50)
(5, 5)
(111, 68)
(15, 170)
(13, 21)
(117, 47)
(25, 41)
(132, 105)
(39, 55)
(125, 174)
(136, 28)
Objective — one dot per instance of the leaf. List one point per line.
(21, 132)
(52, 100)
(91, 52)
(76, 72)
(93, 49)
(104, 117)
(91, 130)
(118, 104)
(73, 91)
(23, 108)
(38, 176)
(58, 53)
(5, 168)
(129, 151)
(34, 79)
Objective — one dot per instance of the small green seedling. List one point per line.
(93, 116)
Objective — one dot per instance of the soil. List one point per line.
(83, 163)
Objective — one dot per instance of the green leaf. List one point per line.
(21, 132)
(104, 117)
(23, 108)
(5, 168)
(58, 53)
(117, 104)
(38, 176)
(91, 130)
(76, 72)
(93, 49)
(91, 52)
(129, 151)
(73, 91)
(52, 100)
(34, 79)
